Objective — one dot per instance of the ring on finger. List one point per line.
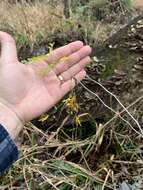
(61, 79)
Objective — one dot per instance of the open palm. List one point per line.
(28, 93)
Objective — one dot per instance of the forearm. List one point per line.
(10, 121)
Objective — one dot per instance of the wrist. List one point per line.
(10, 121)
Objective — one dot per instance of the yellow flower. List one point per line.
(41, 57)
(51, 45)
(44, 71)
(77, 121)
(43, 118)
(65, 58)
(37, 58)
(71, 103)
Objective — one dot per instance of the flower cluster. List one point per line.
(73, 108)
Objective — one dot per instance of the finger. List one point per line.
(67, 75)
(70, 84)
(64, 51)
(8, 48)
(72, 59)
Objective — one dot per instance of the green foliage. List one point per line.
(21, 40)
(98, 3)
(100, 9)
(126, 5)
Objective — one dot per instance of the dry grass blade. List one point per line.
(117, 113)
(126, 110)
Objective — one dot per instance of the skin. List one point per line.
(138, 4)
(24, 94)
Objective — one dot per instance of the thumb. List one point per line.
(8, 47)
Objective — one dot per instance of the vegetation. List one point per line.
(79, 151)
(27, 22)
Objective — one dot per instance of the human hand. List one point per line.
(27, 93)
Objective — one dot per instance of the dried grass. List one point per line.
(31, 20)
(30, 23)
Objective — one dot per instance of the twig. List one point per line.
(117, 113)
(118, 102)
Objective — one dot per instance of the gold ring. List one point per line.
(61, 78)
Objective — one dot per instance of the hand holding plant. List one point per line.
(29, 94)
